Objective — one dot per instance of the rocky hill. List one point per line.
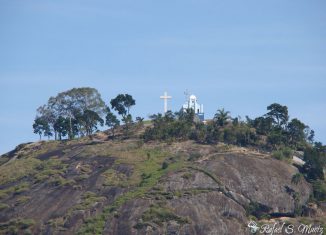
(101, 186)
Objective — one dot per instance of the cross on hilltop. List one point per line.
(165, 97)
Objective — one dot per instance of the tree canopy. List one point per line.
(79, 112)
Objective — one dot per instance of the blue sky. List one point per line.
(240, 55)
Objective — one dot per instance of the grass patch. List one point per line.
(17, 226)
(193, 156)
(17, 169)
(16, 189)
(187, 175)
(163, 195)
(159, 214)
(88, 201)
(3, 206)
(22, 200)
(21, 188)
(58, 180)
(4, 193)
(115, 178)
(51, 169)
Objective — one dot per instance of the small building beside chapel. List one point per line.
(193, 104)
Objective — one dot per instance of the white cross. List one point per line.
(165, 97)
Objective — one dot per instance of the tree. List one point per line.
(278, 113)
(296, 132)
(140, 122)
(187, 116)
(315, 159)
(71, 105)
(311, 136)
(48, 115)
(122, 104)
(112, 121)
(200, 132)
(222, 117)
(91, 119)
(61, 126)
(127, 120)
(263, 125)
(129, 102)
(276, 137)
(41, 126)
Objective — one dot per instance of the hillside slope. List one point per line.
(102, 186)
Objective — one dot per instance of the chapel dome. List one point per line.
(193, 97)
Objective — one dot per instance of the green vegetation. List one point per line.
(15, 170)
(3, 206)
(16, 189)
(115, 178)
(319, 188)
(17, 226)
(23, 199)
(313, 170)
(23, 187)
(79, 111)
(159, 214)
(52, 170)
(58, 180)
(258, 210)
(284, 153)
(69, 115)
(146, 173)
(296, 178)
(271, 131)
(88, 201)
(112, 122)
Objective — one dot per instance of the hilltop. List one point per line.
(127, 186)
(172, 174)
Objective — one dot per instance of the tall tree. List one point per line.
(263, 125)
(122, 104)
(279, 114)
(41, 126)
(48, 115)
(61, 126)
(91, 119)
(296, 132)
(71, 105)
(112, 122)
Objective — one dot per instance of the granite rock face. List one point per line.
(214, 195)
(123, 188)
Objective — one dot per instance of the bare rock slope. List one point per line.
(128, 187)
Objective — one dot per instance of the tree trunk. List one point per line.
(70, 137)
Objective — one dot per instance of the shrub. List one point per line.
(319, 188)
(258, 210)
(283, 153)
(296, 178)
(165, 165)
(194, 156)
(158, 215)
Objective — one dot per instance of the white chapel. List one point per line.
(193, 104)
